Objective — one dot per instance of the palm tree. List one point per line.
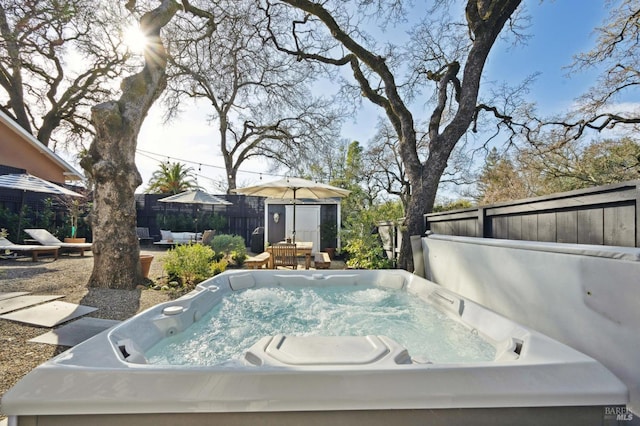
(172, 178)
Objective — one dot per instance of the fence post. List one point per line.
(481, 225)
(637, 214)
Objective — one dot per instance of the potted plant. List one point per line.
(145, 264)
(74, 210)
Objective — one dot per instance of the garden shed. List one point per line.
(317, 220)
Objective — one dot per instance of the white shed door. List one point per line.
(307, 224)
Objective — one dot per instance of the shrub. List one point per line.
(190, 264)
(229, 247)
(366, 253)
(181, 222)
(9, 220)
(239, 258)
(218, 267)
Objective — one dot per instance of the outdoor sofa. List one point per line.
(171, 238)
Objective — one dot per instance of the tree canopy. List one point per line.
(172, 178)
(447, 57)
(57, 59)
(261, 99)
(571, 165)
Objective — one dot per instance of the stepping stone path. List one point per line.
(32, 309)
(9, 295)
(75, 332)
(20, 302)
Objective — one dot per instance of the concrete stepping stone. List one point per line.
(49, 314)
(75, 332)
(15, 303)
(8, 295)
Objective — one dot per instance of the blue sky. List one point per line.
(558, 29)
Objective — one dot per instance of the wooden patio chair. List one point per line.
(284, 254)
(207, 236)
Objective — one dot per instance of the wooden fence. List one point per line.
(605, 215)
(242, 217)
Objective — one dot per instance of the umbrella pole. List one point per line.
(196, 221)
(20, 215)
(293, 234)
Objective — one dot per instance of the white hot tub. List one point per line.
(304, 378)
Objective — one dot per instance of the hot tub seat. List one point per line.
(282, 350)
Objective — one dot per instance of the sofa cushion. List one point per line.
(184, 237)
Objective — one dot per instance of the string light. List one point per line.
(153, 156)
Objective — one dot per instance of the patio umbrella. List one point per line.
(196, 196)
(293, 188)
(25, 182)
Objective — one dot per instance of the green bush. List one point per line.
(218, 267)
(182, 222)
(366, 253)
(362, 244)
(239, 258)
(9, 220)
(229, 247)
(191, 264)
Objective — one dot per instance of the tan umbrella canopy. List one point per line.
(293, 188)
(196, 196)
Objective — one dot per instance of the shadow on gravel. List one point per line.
(23, 272)
(114, 304)
(24, 268)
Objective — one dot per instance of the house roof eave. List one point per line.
(69, 171)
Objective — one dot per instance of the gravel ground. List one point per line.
(66, 276)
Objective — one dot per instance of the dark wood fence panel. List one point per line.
(242, 217)
(608, 215)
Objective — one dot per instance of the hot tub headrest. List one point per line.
(241, 281)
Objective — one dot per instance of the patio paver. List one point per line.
(75, 332)
(15, 303)
(11, 294)
(49, 314)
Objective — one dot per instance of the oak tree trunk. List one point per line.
(485, 20)
(110, 162)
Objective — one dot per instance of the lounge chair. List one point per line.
(33, 250)
(44, 237)
(143, 236)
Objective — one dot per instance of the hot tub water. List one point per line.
(225, 333)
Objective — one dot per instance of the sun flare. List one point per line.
(135, 39)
